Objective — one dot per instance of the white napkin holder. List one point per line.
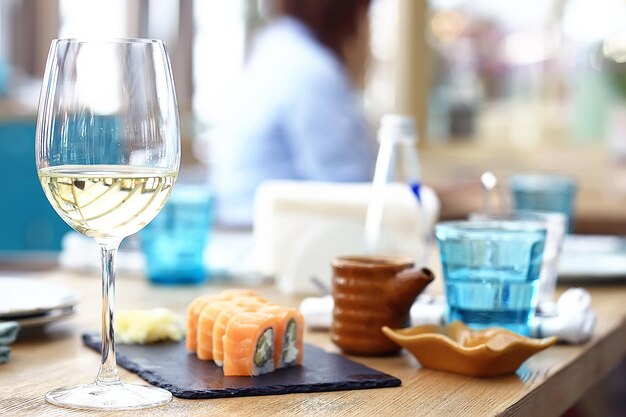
(300, 226)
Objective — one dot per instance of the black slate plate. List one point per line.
(172, 367)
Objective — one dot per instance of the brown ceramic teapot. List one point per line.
(371, 292)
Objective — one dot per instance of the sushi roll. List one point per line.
(196, 306)
(193, 311)
(208, 317)
(206, 321)
(288, 337)
(249, 344)
(238, 304)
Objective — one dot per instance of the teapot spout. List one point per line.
(402, 291)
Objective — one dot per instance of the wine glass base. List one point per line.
(117, 396)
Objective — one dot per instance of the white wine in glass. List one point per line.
(107, 153)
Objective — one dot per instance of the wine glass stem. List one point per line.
(108, 374)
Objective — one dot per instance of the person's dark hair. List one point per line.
(333, 22)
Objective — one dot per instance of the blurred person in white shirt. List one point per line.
(297, 115)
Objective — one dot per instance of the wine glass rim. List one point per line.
(146, 41)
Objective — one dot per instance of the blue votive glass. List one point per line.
(174, 242)
(491, 271)
(544, 192)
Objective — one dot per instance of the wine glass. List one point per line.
(108, 152)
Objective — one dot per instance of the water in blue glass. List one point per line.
(485, 299)
(491, 272)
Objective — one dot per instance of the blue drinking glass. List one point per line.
(556, 227)
(174, 242)
(491, 271)
(544, 192)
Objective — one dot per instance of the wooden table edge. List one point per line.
(576, 378)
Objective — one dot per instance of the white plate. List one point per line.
(23, 297)
(49, 317)
(593, 257)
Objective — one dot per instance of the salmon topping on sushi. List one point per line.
(249, 344)
(198, 304)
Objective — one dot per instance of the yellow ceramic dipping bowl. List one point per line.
(456, 348)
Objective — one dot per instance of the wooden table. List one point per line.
(547, 384)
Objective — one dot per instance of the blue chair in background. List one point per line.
(28, 222)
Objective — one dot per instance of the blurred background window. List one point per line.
(93, 19)
(523, 72)
(520, 74)
(219, 45)
(482, 60)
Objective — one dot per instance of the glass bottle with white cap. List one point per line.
(397, 162)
